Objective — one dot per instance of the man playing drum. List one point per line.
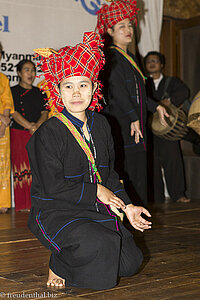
(167, 154)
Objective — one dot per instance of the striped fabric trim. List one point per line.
(72, 221)
(130, 59)
(45, 234)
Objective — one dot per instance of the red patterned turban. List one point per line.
(109, 15)
(85, 59)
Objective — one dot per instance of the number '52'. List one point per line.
(7, 67)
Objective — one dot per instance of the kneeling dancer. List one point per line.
(74, 183)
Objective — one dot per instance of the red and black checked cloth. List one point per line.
(85, 59)
(109, 15)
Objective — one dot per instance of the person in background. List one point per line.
(6, 107)
(30, 112)
(166, 154)
(126, 98)
(74, 183)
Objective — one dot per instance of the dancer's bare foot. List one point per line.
(183, 200)
(3, 210)
(54, 280)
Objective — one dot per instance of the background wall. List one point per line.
(180, 43)
(28, 24)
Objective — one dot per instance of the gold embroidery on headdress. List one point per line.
(45, 52)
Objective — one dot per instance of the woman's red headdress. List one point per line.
(85, 59)
(110, 15)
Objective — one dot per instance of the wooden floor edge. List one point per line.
(18, 241)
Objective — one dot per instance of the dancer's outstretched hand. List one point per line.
(133, 214)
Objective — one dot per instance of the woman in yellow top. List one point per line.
(6, 107)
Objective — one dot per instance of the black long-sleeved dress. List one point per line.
(127, 102)
(89, 248)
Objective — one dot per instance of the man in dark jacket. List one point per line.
(167, 154)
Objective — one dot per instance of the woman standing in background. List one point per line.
(6, 107)
(30, 113)
(126, 97)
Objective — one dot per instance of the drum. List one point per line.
(176, 127)
(194, 114)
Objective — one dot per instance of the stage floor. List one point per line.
(171, 268)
